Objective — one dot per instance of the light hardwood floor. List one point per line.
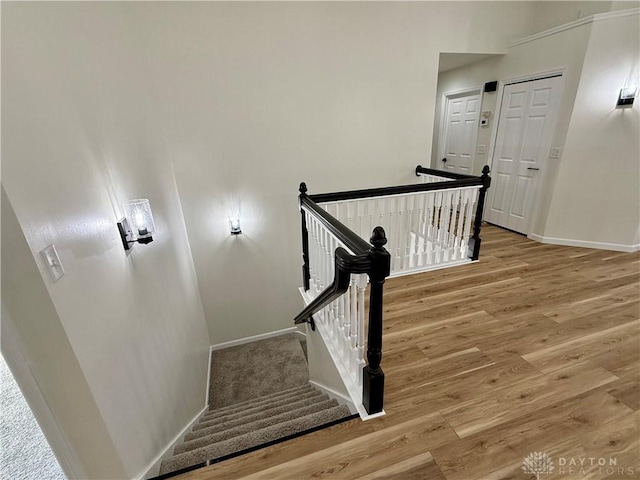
(536, 348)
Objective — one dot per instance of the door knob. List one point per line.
(444, 160)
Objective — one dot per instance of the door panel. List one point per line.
(460, 130)
(525, 128)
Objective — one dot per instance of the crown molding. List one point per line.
(577, 23)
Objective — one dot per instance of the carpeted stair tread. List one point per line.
(253, 439)
(251, 409)
(258, 400)
(206, 428)
(255, 406)
(254, 426)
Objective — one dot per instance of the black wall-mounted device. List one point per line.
(490, 87)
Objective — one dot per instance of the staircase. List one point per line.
(253, 406)
(254, 423)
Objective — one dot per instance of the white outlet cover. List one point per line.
(52, 262)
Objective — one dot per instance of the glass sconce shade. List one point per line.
(138, 212)
(628, 92)
(234, 225)
(137, 224)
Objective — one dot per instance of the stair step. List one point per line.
(254, 426)
(253, 439)
(254, 407)
(257, 400)
(207, 428)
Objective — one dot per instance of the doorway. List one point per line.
(525, 127)
(459, 131)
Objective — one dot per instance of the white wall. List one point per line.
(42, 360)
(257, 97)
(80, 134)
(597, 194)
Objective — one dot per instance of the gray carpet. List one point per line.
(259, 394)
(256, 369)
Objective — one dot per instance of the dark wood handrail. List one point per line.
(397, 190)
(441, 173)
(345, 265)
(351, 239)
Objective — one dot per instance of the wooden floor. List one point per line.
(536, 348)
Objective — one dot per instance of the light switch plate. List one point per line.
(482, 149)
(554, 152)
(52, 261)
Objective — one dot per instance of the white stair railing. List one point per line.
(341, 322)
(425, 230)
(424, 226)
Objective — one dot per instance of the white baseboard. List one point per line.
(342, 399)
(255, 338)
(154, 468)
(567, 242)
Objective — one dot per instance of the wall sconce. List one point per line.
(628, 93)
(234, 224)
(137, 224)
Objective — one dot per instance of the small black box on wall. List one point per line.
(490, 86)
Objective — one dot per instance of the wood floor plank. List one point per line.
(540, 334)
(615, 444)
(594, 304)
(629, 394)
(581, 348)
(407, 401)
(534, 348)
(514, 402)
(502, 446)
(419, 467)
(430, 371)
(368, 454)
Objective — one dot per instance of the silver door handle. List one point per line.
(531, 168)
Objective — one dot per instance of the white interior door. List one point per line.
(525, 129)
(462, 113)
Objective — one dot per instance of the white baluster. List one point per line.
(313, 245)
(406, 232)
(462, 196)
(396, 235)
(353, 326)
(438, 227)
(359, 361)
(445, 221)
(316, 258)
(430, 231)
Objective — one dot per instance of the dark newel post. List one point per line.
(305, 240)
(373, 378)
(474, 242)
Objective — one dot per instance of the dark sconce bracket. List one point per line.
(126, 234)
